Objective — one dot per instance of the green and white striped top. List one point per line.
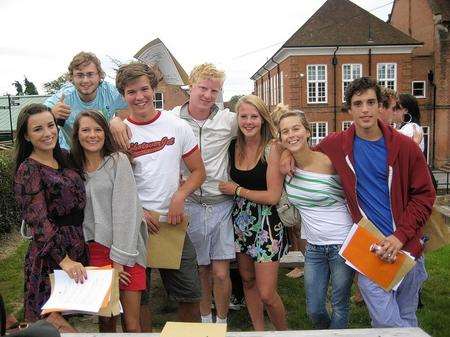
(321, 202)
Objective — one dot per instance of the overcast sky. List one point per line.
(39, 38)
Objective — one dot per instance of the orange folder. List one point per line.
(356, 250)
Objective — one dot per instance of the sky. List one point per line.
(40, 37)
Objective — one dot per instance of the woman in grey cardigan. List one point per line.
(113, 225)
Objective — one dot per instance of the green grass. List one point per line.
(11, 280)
(434, 318)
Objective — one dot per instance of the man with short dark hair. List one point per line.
(385, 178)
(86, 90)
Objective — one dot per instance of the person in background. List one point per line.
(406, 116)
(114, 229)
(86, 90)
(315, 190)
(260, 237)
(51, 197)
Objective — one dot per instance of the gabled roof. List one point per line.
(342, 23)
(441, 7)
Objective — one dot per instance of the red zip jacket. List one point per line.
(411, 191)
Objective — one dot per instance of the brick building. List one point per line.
(339, 43)
(429, 22)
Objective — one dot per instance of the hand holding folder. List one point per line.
(356, 250)
(165, 248)
(98, 295)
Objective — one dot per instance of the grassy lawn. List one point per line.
(11, 280)
(434, 317)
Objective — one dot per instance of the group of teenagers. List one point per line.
(97, 167)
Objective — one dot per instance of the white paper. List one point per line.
(89, 296)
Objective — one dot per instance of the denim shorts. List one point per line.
(211, 231)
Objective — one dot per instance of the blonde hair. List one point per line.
(283, 112)
(206, 71)
(268, 129)
(280, 108)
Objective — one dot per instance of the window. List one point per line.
(266, 91)
(350, 72)
(281, 88)
(387, 75)
(346, 125)
(158, 101)
(418, 89)
(318, 132)
(272, 90)
(275, 82)
(317, 83)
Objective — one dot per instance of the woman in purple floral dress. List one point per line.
(51, 197)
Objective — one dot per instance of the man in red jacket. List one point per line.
(385, 178)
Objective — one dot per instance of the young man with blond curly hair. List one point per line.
(210, 227)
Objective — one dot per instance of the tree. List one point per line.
(54, 86)
(30, 88)
(233, 100)
(19, 88)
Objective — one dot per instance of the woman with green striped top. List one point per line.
(315, 190)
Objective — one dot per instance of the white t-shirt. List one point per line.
(408, 130)
(158, 147)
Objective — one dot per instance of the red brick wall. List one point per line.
(172, 95)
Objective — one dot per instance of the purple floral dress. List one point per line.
(52, 203)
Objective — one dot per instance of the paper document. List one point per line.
(164, 249)
(178, 329)
(356, 251)
(89, 296)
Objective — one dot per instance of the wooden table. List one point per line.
(396, 332)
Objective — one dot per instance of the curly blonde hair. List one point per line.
(206, 71)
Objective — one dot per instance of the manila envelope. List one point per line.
(179, 329)
(164, 249)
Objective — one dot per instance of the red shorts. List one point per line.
(99, 257)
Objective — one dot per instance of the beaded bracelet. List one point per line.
(238, 191)
(235, 190)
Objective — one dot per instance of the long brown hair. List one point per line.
(77, 155)
(268, 130)
(22, 147)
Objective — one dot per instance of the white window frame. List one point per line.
(352, 66)
(316, 138)
(275, 81)
(155, 101)
(346, 124)
(383, 81)
(315, 82)
(424, 89)
(426, 140)
(281, 87)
